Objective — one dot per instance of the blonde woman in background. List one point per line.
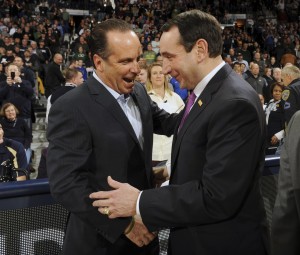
(159, 91)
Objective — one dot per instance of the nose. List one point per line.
(135, 68)
(166, 68)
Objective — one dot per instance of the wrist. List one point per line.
(130, 227)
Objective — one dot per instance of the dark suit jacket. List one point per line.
(53, 79)
(286, 214)
(91, 138)
(213, 204)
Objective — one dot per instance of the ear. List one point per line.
(98, 62)
(201, 49)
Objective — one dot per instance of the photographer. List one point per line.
(13, 151)
(17, 91)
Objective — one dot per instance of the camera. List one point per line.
(12, 75)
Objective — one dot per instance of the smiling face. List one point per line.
(157, 77)
(277, 92)
(120, 69)
(177, 62)
(10, 112)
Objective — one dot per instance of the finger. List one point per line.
(112, 183)
(100, 195)
(101, 203)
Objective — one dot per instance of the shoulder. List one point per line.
(15, 145)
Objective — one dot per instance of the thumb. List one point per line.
(112, 183)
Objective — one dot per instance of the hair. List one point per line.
(143, 65)
(5, 106)
(149, 83)
(194, 25)
(70, 73)
(98, 43)
(12, 64)
(274, 84)
(291, 70)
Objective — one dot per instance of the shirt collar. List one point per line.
(202, 84)
(114, 93)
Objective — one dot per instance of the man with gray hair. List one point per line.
(291, 95)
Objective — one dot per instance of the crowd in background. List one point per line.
(40, 39)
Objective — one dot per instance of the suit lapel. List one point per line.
(199, 107)
(104, 98)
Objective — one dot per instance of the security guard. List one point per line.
(291, 95)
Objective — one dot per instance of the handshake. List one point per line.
(121, 202)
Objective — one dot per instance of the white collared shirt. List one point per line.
(202, 84)
(130, 109)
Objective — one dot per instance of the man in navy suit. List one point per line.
(105, 127)
(213, 204)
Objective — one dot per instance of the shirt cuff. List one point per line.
(137, 206)
(280, 134)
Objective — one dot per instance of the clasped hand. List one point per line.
(121, 202)
(140, 234)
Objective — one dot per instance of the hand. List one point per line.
(121, 202)
(160, 175)
(18, 79)
(140, 234)
(9, 81)
(274, 140)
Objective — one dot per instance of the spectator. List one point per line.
(277, 74)
(155, 44)
(17, 91)
(142, 76)
(26, 72)
(159, 91)
(257, 59)
(255, 80)
(13, 151)
(16, 128)
(149, 55)
(80, 55)
(82, 69)
(242, 61)
(73, 79)
(232, 55)
(275, 116)
(274, 63)
(54, 78)
(288, 57)
(270, 80)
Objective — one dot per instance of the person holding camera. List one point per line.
(11, 152)
(17, 91)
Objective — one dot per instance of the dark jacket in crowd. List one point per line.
(19, 94)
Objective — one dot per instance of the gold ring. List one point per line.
(106, 210)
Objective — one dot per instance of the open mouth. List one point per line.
(128, 80)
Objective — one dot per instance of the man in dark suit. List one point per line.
(54, 77)
(213, 204)
(105, 127)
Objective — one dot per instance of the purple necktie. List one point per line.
(189, 104)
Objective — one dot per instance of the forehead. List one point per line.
(169, 41)
(156, 68)
(12, 68)
(124, 44)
